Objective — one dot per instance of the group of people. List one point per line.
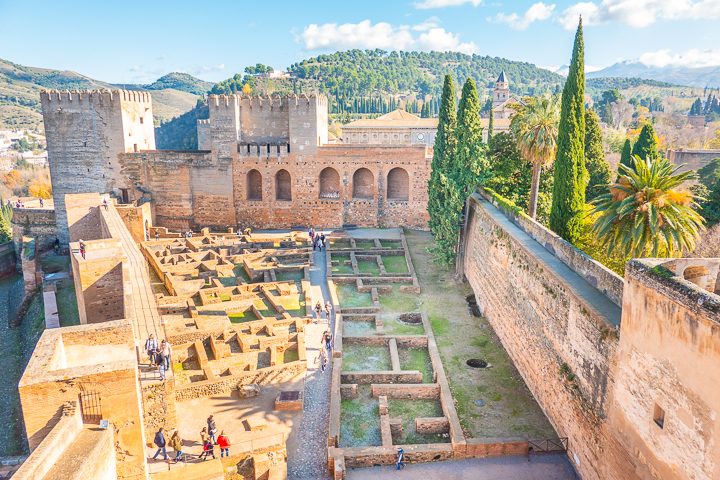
(319, 310)
(159, 354)
(317, 239)
(209, 437)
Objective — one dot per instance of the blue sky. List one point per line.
(136, 41)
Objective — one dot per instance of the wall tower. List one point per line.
(86, 131)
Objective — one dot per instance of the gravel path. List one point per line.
(307, 446)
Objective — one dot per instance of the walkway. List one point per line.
(541, 467)
(144, 314)
(307, 445)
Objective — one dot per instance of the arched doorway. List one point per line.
(283, 186)
(363, 184)
(254, 185)
(398, 185)
(329, 183)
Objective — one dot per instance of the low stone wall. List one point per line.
(8, 260)
(37, 223)
(403, 341)
(595, 273)
(356, 457)
(380, 376)
(225, 385)
(476, 448)
(408, 391)
(158, 407)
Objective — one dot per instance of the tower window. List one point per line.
(659, 416)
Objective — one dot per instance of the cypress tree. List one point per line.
(445, 145)
(626, 154)
(570, 175)
(598, 169)
(491, 126)
(647, 144)
(470, 159)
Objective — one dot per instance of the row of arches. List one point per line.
(363, 184)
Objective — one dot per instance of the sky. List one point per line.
(138, 41)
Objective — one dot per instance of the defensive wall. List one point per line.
(616, 375)
(693, 159)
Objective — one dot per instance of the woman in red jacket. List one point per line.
(224, 443)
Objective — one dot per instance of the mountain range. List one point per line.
(677, 75)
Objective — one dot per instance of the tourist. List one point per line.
(176, 443)
(82, 249)
(328, 309)
(161, 365)
(323, 359)
(204, 437)
(151, 346)
(318, 310)
(327, 339)
(166, 353)
(157, 235)
(208, 449)
(224, 442)
(160, 443)
(311, 234)
(105, 203)
(212, 429)
(322, 241)
(400, 462)
(42, 204)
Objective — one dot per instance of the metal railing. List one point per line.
(548, 445)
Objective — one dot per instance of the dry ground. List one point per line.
(508, 408)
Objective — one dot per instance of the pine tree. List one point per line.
(570, 175)
(424, 113)
(696, 108)
(470, 159)
(445, 146)
(598, 169)
(647, 144)
(491, 126)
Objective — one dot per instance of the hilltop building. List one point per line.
(503, 99)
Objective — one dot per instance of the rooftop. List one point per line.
(397, 118)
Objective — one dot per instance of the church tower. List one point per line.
(501, 93)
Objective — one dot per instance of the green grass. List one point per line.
(240, 273)
(392, 326)
(391, 243)
(67, 303)
(291, 356)
(416, 359)
(364, 244)
(339, 265)
(368, 267)
(225, 297)
(366, 357)
(360, 420)
(294, 275)
(240, 317)
(349, 297)
(228, 281)
(51, 263)
(408, 411)
(357, 328)
(395, 264)
(440, 325)
(398, 302)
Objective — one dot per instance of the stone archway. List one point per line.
(329, 183)
(254, 185)
(283, 186)
(398, 184)
(363, 184)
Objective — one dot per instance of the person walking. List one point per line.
(160, 443)
(82, 249)
(400, 462)
(177, 444)
(167, 353)
(151, 346)
(105, 203)
(160, 359)
(42, 204)
(327, 341)
(204, 437)
(212, 429)
(208, 449)
(323, 360)
(224, 442)
(328, 309)
(318, 309)
(322, 241)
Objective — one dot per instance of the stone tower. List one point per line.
(501, 92)
(86, 131)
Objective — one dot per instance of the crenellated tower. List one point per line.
(86, 131)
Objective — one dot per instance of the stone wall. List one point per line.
(158, 399)
(35, 223)
(556, 327)
(692, 159)
(8, 259)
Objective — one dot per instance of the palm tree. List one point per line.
(647, 212)
(535, 127)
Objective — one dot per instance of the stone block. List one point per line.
(383, 404)
(349, 390)
(432, 425)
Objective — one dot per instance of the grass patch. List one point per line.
(398, 302)
(349, 297)
(439, 325)
(360, 420)
(408, 411)
(355, 328)
(240, 317)
(395, 264)
(416, 359)
(368, 267)
(392, 326)
(67, 303)
(51, 263)
(364, 244)
(239, 272)
(228, 281)
(287, 275)
(291, 355)
(366, 357)
(391, 243)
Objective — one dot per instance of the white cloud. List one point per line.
(537, 12)
(425, 4)
(639, 13)
(693, 58)
(429, 36)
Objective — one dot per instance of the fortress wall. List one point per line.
(562, 340)
(264, 120)
(692, 159)
(668, 358)
(36, 223)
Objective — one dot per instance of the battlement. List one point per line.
(264, 150)
(203, 121)
(94, 96)
(269, 102)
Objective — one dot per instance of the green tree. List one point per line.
(598, 169)
(6, 214)
(647, 144)
(470, 158)
(535, 128)
(711, 204)
(491, 126)
(710, 173)
(697, 107)
(568, 202)
(442, 193)
(626, 154)
(647, 213)
(425, 111)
